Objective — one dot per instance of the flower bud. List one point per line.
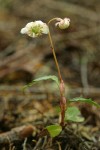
(63, 23)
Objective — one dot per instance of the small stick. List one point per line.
(16, 134)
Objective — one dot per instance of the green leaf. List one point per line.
(52, 77)
(80, 99)
(54, 130)
(73, 114)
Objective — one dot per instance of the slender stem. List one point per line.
(51, 20)
(55, 58)
(62, 87)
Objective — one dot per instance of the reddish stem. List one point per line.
(62, 86)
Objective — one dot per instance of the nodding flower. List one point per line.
(35, 29)
(63, 23)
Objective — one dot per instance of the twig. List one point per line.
(24, 144)
(16, 134)
(44, 142)
(59, 146)
(38, 144)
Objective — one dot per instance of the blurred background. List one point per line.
(78, 49)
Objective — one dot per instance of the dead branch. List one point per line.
(16, 134)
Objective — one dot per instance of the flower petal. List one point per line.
(39, 22)
(23, 31)
(29, 25)
(45, 29)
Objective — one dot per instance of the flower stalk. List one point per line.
(54, 54)
(62, 86)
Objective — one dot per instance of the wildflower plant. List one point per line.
(67, 112)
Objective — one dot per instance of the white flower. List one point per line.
(63, 23)
(35, 29)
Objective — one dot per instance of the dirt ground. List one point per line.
(24, 115)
